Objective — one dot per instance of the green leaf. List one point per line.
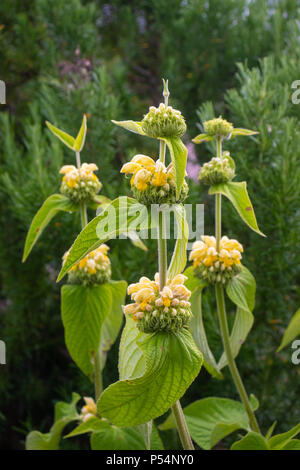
(211, 419)
(83, 312)
(242, 325)
(178, 152)
(136, 241)
(292, 331)
(116, 218)
(80, 139)
(178, 260)
(113, 321)
(240, 131)
(67, 139)
(279, 441)
(172, 363)
(131, 359)
(252, 441)
(64, 414)
(192, 281)
(271, 430)
(294, 444)
(202, 138)
(241, 290)
(52, 205)
(93, 424)
(131, 126)
(199, 334)
(238, 195)
(115, 438)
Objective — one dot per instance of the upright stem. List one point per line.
(230, 359)
(163, 273)
(97, 357)
(222, 314)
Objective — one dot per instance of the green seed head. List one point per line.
(218, 170)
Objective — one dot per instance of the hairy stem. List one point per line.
(163, 273)
(97, 358)
(230, 359)
(222, 314)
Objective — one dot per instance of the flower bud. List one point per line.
(218, 127)
(163, 121)
(218, 170)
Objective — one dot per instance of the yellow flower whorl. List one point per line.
(80, 184)
(152, 182)
(214, 266)
(92, 269)
(155, 310)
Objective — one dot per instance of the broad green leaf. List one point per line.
(64, 414)
(118, 217)
(240, 131)
(172, 363)
(131, 359)
(238, 195)
(178, 152)
(252, 441)
(294, 444)
(241, 290)
(279, 441)
(80, 139)
(211, 419)
(131, 126)
(199, 334)
(52, 205)
(84, 310)
(113, 321)
(292, 331)
(67, 139)
(93, 424)
(178, 260)
(115, 438)
(202, 138)
(242, 325)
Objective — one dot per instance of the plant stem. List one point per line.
(230, 359)
(182, 428)
(98, 375)
(222, 314)
(163, 274)
(97, 357)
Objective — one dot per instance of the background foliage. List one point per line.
(61, 59)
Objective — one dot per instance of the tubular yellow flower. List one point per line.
(92, 269)
(89, 410)
(80, 184)
(214, 266)
(168, 310)
(152, 182)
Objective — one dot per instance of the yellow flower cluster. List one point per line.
(216, 266)
(80, 184)
(155, 310)
(89, 410)
(92, 269)
(152, 182)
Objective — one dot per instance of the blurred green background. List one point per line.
(60, 59)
